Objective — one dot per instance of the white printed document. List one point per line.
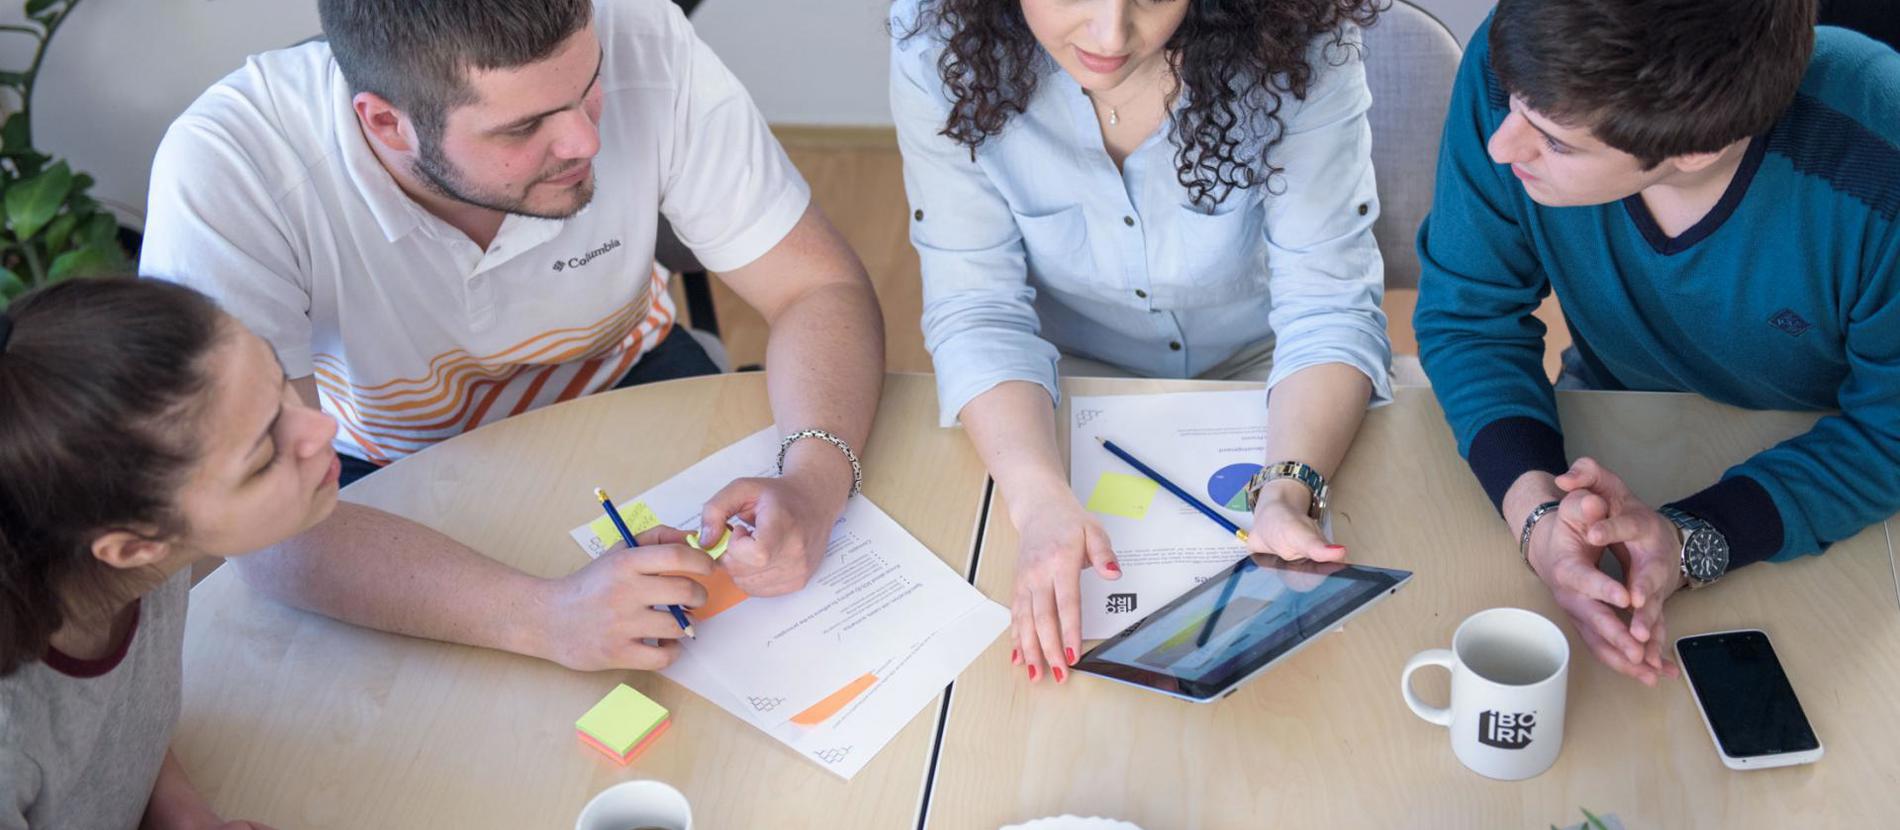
(836, 669)
(1207, 443)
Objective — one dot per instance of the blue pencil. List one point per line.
(679, 614)
(1158, 478)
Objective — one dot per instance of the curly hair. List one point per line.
(1235, 59)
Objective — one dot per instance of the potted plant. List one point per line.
(52, 230)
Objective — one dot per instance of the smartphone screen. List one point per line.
(1749, 702)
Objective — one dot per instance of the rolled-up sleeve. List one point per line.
(979, 321)
(1323, 264)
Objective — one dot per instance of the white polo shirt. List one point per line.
(266, 195)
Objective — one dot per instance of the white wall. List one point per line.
(120, 70)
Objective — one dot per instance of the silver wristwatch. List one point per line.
(1298, 471)
(1704, 549)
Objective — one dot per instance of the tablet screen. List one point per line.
(1236, 622)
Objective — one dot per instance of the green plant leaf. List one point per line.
(90, 261)
(34, 7)
(60, 231)
(13, 138)
(82, 182)
(1595, 822)
(10, 286)
(101, 229)
(33, 201)
(13, 79)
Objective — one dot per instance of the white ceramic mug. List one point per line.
(636, 805)
(1508, 668)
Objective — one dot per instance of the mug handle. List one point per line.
(1429, 657)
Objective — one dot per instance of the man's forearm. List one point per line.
(378, 570)
(826, 371)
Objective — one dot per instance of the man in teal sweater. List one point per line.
(1711, 187)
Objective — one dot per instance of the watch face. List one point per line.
(1705, 555)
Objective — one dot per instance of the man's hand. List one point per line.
(1648, 545)
(791, 519)
(1566, 561)
(601, 616)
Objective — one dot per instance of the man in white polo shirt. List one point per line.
(445, 215)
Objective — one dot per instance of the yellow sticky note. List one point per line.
(638, 516)
(1118, 494)
(621, 719)
(715, 551)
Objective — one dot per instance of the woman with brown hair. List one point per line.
(142, 431)
(1156, 188)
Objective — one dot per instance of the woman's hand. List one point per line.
(1282, 528)
(1059, 539)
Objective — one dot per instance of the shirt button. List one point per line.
(1140, 293)
(1174, 345)
(919, 215)
(1363, 209)
(1129, 221)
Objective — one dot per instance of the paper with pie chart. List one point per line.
(1209, 443)
(836, 669)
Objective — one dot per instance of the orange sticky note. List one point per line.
(824, 709)
(721, 594)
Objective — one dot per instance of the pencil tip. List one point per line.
(690, 634)
(1100, 440)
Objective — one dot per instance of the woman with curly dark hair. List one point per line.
(1158, 188)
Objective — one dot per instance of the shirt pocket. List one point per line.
(1055, 247)
(1214, 258)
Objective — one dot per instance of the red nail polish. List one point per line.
(1070, 653)
(1032, 674)
(1015, 656)
(1059, 675)
(1335, 547)
(1112, 568)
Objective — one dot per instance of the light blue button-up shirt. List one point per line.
(1039, 244)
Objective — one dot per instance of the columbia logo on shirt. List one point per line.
(580, 261)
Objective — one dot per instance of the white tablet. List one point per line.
(1226, 630)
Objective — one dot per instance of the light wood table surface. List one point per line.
(1324, 739)
(303, 722)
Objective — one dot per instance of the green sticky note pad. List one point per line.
(621, 719)
(1118, 494)
(638, 516)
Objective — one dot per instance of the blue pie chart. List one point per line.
(1228, 486)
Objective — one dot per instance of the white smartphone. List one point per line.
(1746, 700)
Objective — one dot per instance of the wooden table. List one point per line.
(1324, 740)
(303, 722)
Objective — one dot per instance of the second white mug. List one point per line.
(1509, 669)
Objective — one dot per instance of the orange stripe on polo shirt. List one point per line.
(442, 405)
(534, 390)
(461, 391)
(452, 379)
(449, 360)
(475, 420)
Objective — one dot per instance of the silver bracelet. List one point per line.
(1530, 524)
(857, 472)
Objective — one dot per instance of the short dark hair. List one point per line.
(96, 384)
(417, 54)
(1655, 78)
